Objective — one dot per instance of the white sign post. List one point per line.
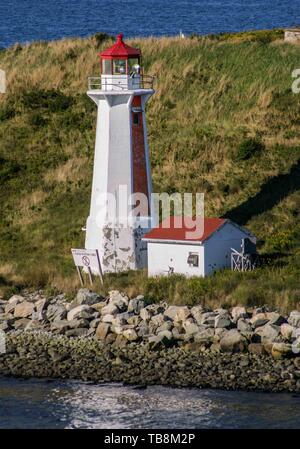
(88, 259)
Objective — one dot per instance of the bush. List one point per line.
(249, 148)
(8, 169)
(51, 100)
(101, 37)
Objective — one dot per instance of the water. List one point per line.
(72, 404)
(28, 20)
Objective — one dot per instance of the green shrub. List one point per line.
(101, 37)
(248, 148)
(50, 100)
(8, 169)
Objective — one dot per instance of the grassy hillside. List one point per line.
(223, 121)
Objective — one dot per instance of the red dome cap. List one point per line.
(120, 49)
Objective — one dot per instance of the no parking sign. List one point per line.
(87, 259)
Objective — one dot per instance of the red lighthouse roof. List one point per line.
(120, 49)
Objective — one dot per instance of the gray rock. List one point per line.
(275, 318)
(40, 309)
(196, 313)
(243, 325)
(286, 331)
(60, 325)
(238, 312)
(223, 321)
(177, 313)
(86, 297)
(110, 309)
(102, 331)
(208, 318)
(83, 311)
(119, 300)
(166, 326)
(294, 318)
(79, 332)
(157, 320)
(21, 323)
(56, 312)
(136, 305)
(233, 341)
(260, 319)
(268, 332)
(190, 328)
(23, 309)
(130, 334)
(204, 336)
(145, 314)
(143, 329)
(109, 319)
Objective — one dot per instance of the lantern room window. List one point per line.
(106, 67)
(133, 66)
(119, 66)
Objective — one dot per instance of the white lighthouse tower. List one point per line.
(121, 160)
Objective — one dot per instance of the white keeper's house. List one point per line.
(171, 249)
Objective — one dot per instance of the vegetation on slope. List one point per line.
(226, 101)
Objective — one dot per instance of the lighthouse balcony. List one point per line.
(120, 82)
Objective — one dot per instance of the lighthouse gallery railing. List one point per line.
(143, 82)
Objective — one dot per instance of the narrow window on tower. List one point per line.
(135, 118)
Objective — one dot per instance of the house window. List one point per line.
(193, 260)
(135, 118)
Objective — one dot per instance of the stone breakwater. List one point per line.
(117, 339)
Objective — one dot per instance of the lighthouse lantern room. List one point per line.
(121, 159)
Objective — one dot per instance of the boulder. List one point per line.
(102, 331)
(223, 321)
(268, 332)
(143, 329)
(60, 325)
(134, 320)
(119, 300)
(23, 309)
(259, 319)
(110, 309)
(256, 348)
(294, 318)
(209, 318)
(275, 318)
(196, 313)
(166, 337)
(79, 332)
(136, 305)
(243, 325)
(21, 323)
(238, 312)
(40, 309)
(130, 334)
(86, 297)
(109, 319)
(145, 314)
(157, 320)
(286, 331)
(12, 302)
(233, 341)
(177, 313)
(56, 312)
(190, 328)
(205, 336)
(281, 350)
(83, 311)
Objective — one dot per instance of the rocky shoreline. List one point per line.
(117, 339)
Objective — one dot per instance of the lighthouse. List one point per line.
(121, 162)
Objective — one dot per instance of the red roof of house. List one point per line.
(120, 49)
(183, 228)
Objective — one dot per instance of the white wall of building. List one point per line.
(218, 247)
(161, 256)
(214, 254)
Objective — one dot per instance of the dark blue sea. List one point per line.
(29, 20)
(42, 404)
